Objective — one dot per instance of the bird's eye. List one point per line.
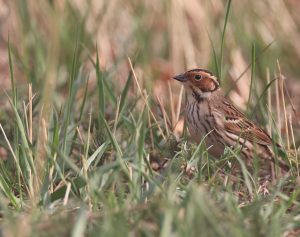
(198, 77)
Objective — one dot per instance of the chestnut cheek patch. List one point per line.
(208, 85)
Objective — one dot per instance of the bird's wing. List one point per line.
(236, 123)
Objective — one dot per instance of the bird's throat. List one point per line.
(198, 96)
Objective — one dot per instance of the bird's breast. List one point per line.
(199, 118)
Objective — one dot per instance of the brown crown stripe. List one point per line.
(201, 70)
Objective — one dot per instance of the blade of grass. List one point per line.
(100, 87)
(252, 76)
(245, 172)
(70, 95)
(266, 89)
(108, 88)
(248, 66)
(223, 38)
(69, 162)
(15, 104)
(116, 146)
(81, 109)
(137, 176)
(23, 137)
(96, 155)
(291, 103)
(294, 145)
(84, 161)
(81, 223)
(165, 117)
(179, 106)
(8, 192)
(215, 58)
(84, 99)
(12, 79)
(143, 96)
(269, 103)
(282, 97)
(125, 91)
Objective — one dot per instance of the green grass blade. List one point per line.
(125, 92)
(11, 70)
(23, 137)
(215, 58)
(8, 192)
(261, 97)
(96, 155)
(70, 96)
(223, 38)
(116, 146)
(15, 104)
(100, 86)
(249, 65)
(84, 100)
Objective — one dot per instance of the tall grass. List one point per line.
(88, 153)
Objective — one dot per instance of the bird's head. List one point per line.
(198, 83)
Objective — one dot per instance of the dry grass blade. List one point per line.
(46, 104)
(26, 119)
(171, 104)
(294, 144)
(269, 104)
(11, 150)
(292, 104)
(143, 97)
(30, 98)
(283, 104)
(278, 108)
(66, 198)
(256, 59)
(179, 105)
(166, 119)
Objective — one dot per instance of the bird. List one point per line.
(211, 116)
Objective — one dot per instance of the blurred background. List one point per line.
(83, 144)
(161, 37)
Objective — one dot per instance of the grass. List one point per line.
(89, 119)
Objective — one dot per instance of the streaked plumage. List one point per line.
(209, 113)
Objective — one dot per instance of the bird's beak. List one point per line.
(180, 77)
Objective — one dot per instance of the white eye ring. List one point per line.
(198, 77)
